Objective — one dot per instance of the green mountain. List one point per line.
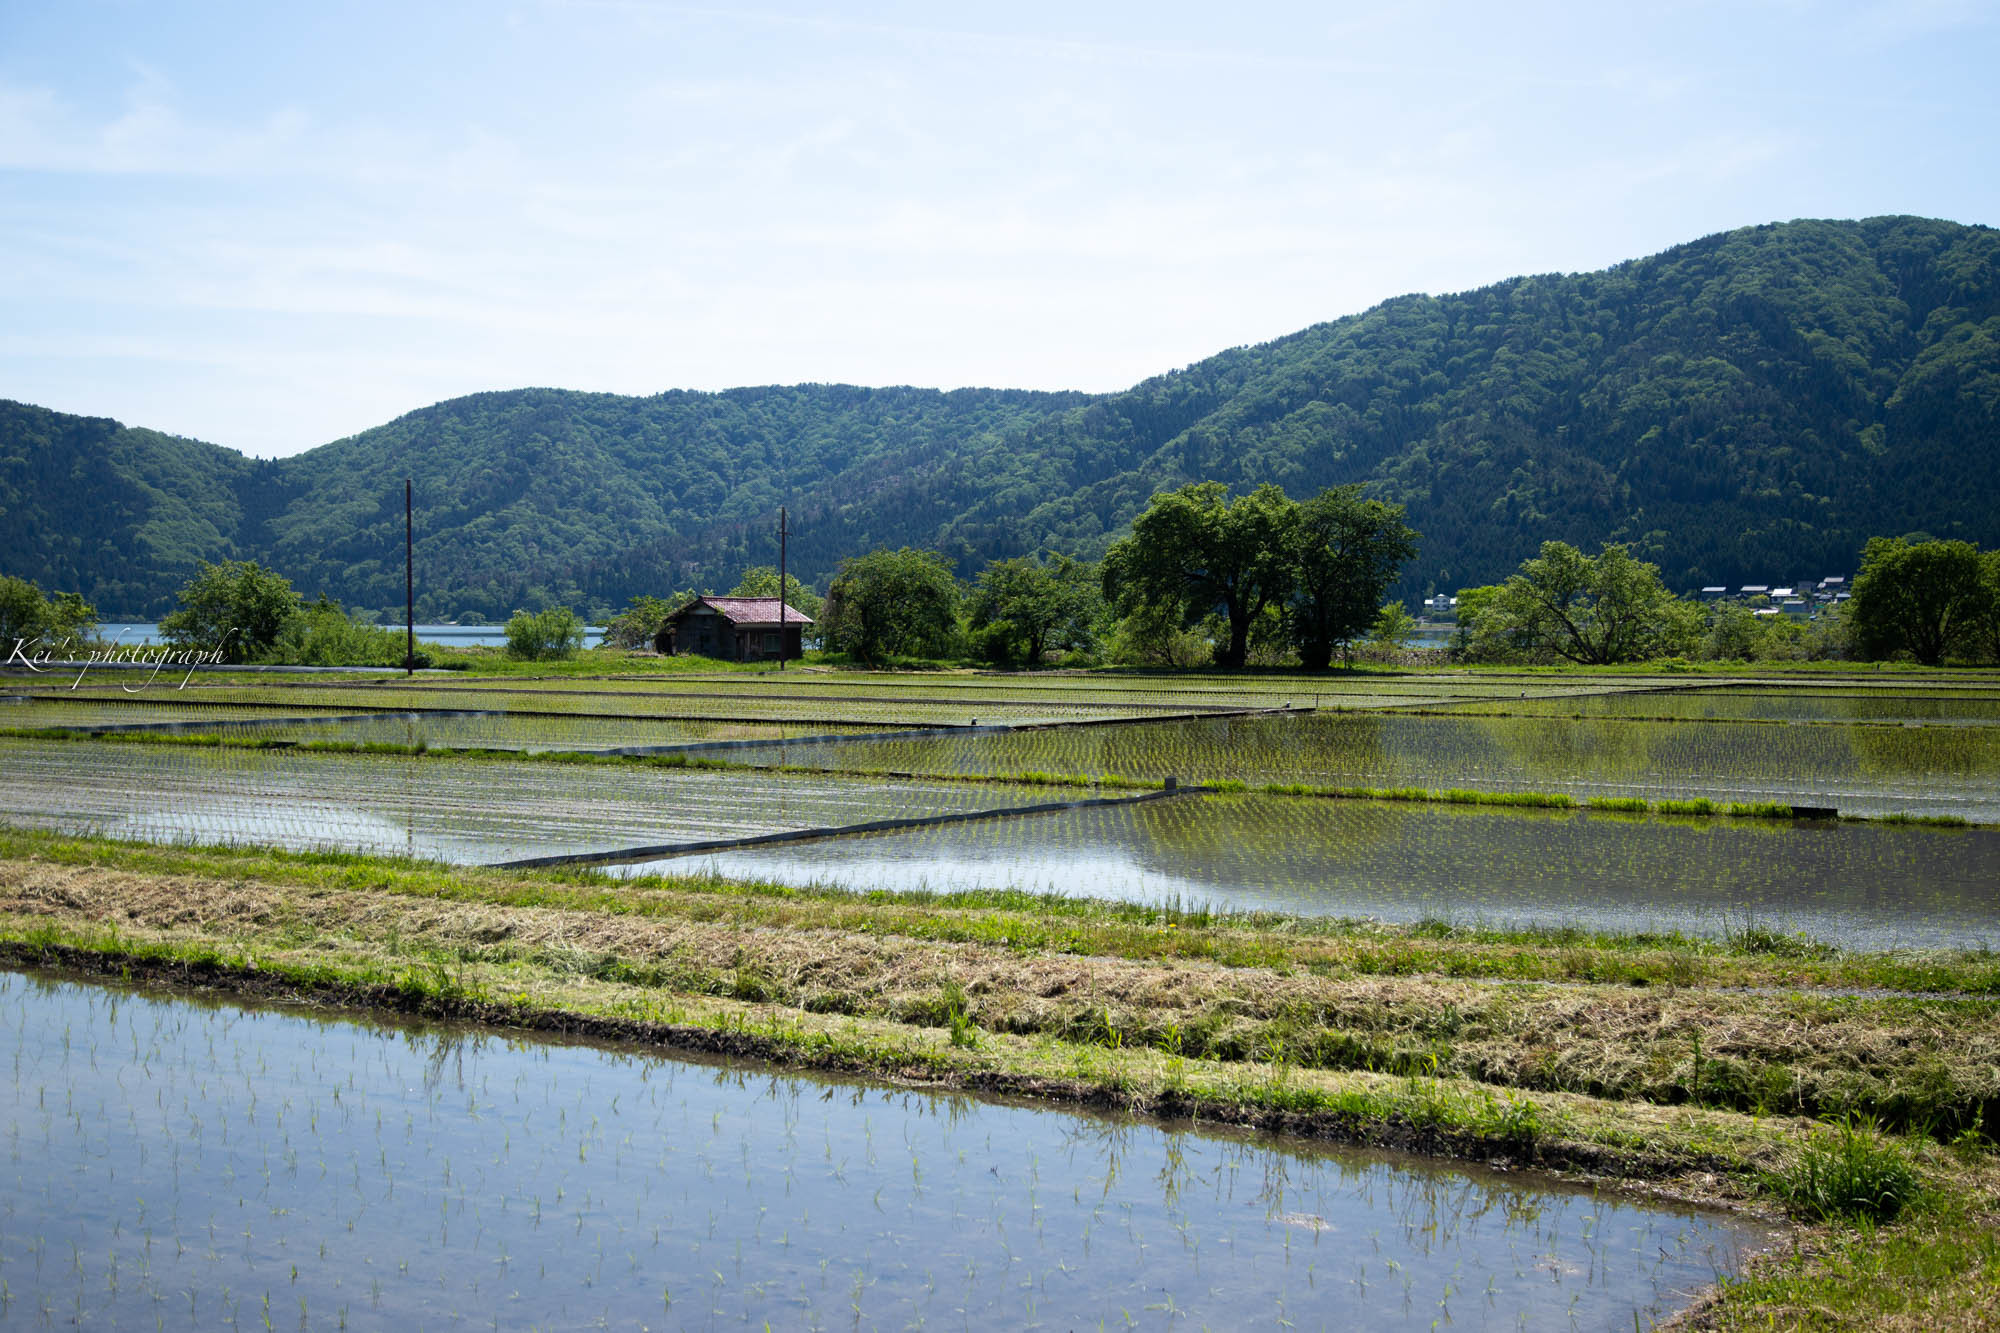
(1747, 407)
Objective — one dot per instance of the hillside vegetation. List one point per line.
(1752, 406)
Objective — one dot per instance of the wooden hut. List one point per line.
(736, 629)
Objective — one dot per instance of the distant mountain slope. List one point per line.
(1755, 403)
(545, 492)
(116, 513)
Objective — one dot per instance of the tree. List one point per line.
(1989, 565)
(1392, 625)
(762, 581)
(1194, 551)
(1594, 610)
(545, 636)
(1153, 636)
(235, 607)
(1346, 553)
(639, 623)
(1924, 598)
(892, 603)
(29, 618)
(1738, 634)
(1466, 641)
(1026, 607)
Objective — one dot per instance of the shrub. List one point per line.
(324, 635)
(545, 636)
(1848, 1171)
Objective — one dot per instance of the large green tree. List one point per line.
(235, 607)
(30, 619)
(1924, 598)
(901, 603)
(1026, 607)
(1196, 551)
(1593, 610)
(1346, 551)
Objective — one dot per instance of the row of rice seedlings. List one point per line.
(1748, 706)
(1026, 689)
(400, 732)
(36, 711)
(830, 713)
(929, 695)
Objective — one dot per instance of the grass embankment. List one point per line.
(1698, 1067)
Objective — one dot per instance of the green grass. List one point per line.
(1936, 1269)
(1847, 1172)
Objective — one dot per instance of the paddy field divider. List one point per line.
(661, 851)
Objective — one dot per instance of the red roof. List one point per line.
(749, 610)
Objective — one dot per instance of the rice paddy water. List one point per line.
(180, 1162)
(1858, 885)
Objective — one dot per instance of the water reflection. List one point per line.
(214, 1164)
(1863, 770)
(1866, 886)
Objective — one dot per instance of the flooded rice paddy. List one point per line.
(1869, 770)
(1964, 707)
(1859, 747)
(1859, 885)
(434, 808)
(183, 1163)
(474, 729)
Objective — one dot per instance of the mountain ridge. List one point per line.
(1754, 403)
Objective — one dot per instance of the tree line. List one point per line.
(1203, 577)
(1915, 598)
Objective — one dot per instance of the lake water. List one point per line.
(173, 1162)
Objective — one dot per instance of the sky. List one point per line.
(273, 225)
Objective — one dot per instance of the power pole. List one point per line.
(783, 532)
(409, 584)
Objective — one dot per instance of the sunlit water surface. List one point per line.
(183, 1164)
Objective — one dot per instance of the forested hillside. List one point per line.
(1755, 403)
(1750, 406)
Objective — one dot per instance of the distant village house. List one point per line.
(735, 629)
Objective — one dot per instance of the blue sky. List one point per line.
(273, 225)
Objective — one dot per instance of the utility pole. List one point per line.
(409, 584)
(783, 532)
